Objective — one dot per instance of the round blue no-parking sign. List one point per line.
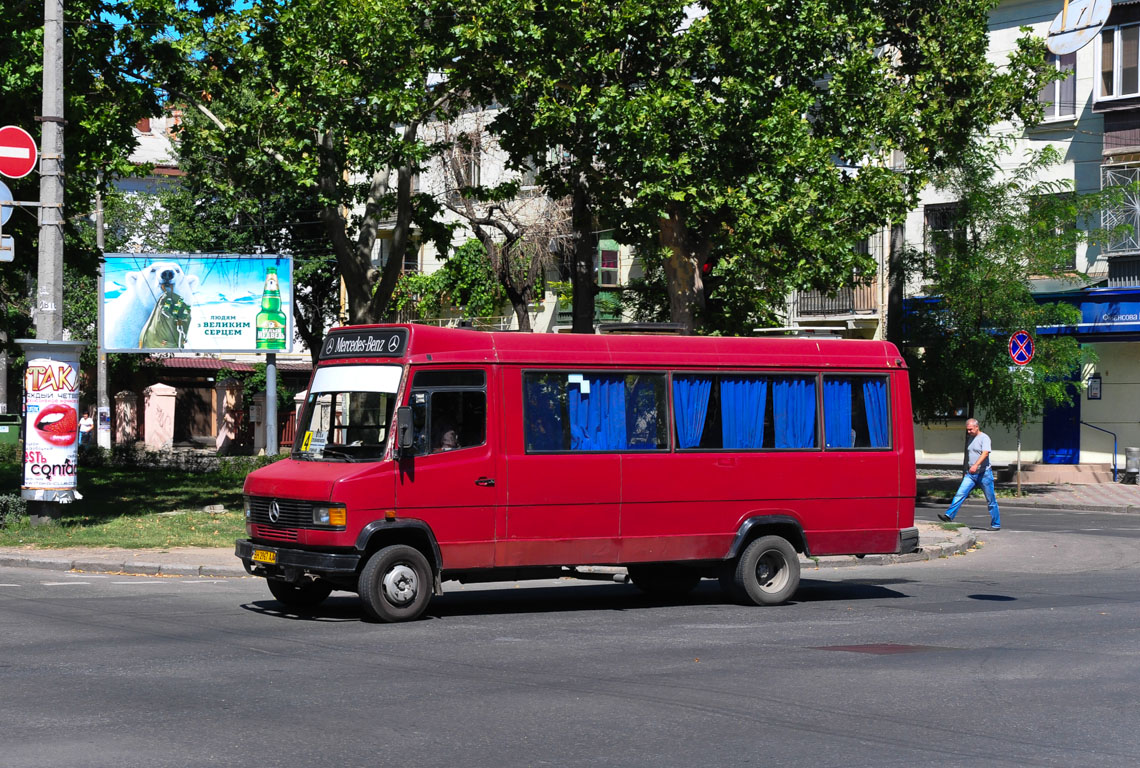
(1021, 347)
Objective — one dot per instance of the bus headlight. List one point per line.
(248, 508)
(330, 516)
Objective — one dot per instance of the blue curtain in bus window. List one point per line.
(543, 417)
(742, 404)
(878, 418)
(837, 413)
(793, 404)
(597, 418)
(690, 406)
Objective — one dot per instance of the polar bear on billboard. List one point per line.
(127, 314)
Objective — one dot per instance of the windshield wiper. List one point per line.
(338, 452)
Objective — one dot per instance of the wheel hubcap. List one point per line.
(401, 584)
(770, 574)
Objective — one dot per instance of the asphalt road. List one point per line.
(1024, 652)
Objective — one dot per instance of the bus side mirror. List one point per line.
(404, 431)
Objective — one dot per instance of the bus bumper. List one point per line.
(291, 564)
(908, 541)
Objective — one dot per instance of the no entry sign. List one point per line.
(1021, 347)
(18, 152)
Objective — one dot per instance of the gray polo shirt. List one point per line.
(978, 445)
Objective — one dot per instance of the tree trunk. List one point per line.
(582, 265)
(682, 275)
(353, 271)
(896, 284)
(401, 235)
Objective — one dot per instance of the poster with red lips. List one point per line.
(51, 403)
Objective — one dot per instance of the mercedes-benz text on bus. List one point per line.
(424, 455)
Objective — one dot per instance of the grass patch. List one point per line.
(938, 494)
(134, 507)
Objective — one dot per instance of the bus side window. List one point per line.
(856, 413)
(595, 411)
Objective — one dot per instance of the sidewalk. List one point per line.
(934, 542)
(1105, 497)
(179, 561)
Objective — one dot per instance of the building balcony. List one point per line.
(854, 300)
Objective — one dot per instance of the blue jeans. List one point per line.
(969, 482)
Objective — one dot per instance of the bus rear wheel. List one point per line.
(303, 596)
(664, 580)
(766, 573)
(396, 584)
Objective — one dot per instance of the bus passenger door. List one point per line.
(451, 482)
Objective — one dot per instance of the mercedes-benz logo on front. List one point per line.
(274, 511)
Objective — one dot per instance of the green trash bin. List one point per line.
(9, 428)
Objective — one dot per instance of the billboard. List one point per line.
(161, 302)
(51, 413)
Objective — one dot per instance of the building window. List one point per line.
(943, 227)
(1059, 98)
(1119, 65)
(382, 249)
(608, 264)
(1123, 220)
(474, 162)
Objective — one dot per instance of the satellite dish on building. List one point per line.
(1076, 25)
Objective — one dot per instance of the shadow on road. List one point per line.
(457, 602)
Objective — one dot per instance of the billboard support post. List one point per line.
(271, 404)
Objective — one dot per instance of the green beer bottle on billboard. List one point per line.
(270, 322)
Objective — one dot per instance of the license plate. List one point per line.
(264, 556)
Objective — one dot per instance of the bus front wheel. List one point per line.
(766, 573)
(396, 584)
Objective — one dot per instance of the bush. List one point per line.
(239, 466)
(12, 507)
(11, 453)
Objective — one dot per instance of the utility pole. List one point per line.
(48, 310)
(53, 364)
(102, 399)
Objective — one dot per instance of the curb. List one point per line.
(88, 565)
(964, 540)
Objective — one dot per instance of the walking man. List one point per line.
(978, 472)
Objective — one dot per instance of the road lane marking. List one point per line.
(64, 584)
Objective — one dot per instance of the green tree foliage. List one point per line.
(328, 97)
(465, 282)
(564, 72)
(102, 103)
(1009, 227)
(227, 202)
(746, 132)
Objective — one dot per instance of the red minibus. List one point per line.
(428, 454)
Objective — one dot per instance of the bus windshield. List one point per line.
(348, 413)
